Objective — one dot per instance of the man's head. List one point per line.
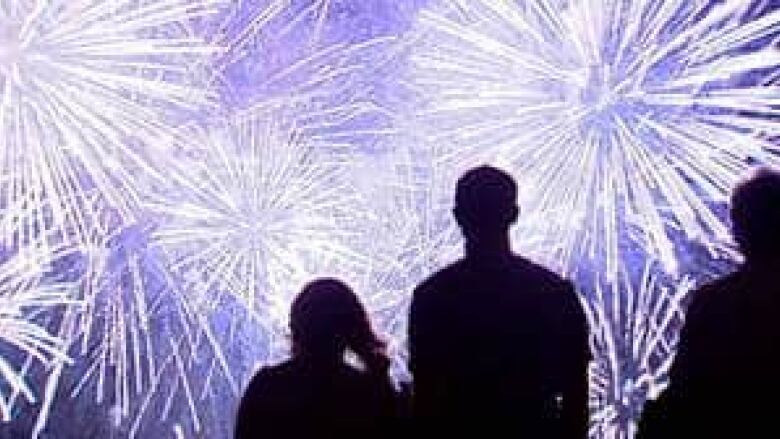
(755, 215)
(485, 202)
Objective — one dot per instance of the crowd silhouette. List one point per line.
(498, 345)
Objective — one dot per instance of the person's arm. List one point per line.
(421, 353)
(663, 416)
(414, 330)
(253, 410)
(243, 419)
(574, 361)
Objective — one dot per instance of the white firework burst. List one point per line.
(240, 29)
(84, 85)
(130, 312)
(142, 349)
(403, 239)
(616, 115)
(279, 52)
(635, 328)
(258, 209)
(27, 305)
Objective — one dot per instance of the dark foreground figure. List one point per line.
(498, 345)
(316, 394)
(725, 380)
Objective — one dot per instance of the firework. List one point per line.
(141, 348)
(85, 87)
(258, 208)
(27, 304)
(617, 117)
(635, 325)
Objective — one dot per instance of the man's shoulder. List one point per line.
(714, 297)
(540, 274)
(268, 383)
(440, 279)
(518, 270)
(268, 375)
(553, 294)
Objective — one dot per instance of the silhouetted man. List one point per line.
(725, 379)
(498, 345)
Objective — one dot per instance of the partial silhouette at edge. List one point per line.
(725, 378)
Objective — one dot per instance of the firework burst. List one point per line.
(620, 115)
(142, 349)
(27, 305)
(129, 306)
(83, 86)
(635, 329)
(258, 209)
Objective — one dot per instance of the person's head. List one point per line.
(485, 202)
(755, 216)
(327, 318)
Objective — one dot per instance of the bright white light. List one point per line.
(620, 119)
(26, 302)
(259, 207)
(85, 86)
(635, 331)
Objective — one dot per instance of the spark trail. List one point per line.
(258, 208)
(86, 88)
(627, 117)
(635, 331)
(27, 304)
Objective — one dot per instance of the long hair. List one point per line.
(327, 318)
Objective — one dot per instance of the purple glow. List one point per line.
(172, 171)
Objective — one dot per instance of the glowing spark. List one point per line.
(623, 116)
(133, 323)
(26, 304)
(121, 321)
(258, 209)
(635, 331)
(84, 85)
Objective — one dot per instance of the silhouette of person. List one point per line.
(317, 393)
(497, 343)
(725, 378)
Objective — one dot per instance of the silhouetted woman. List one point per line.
(316, 393)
